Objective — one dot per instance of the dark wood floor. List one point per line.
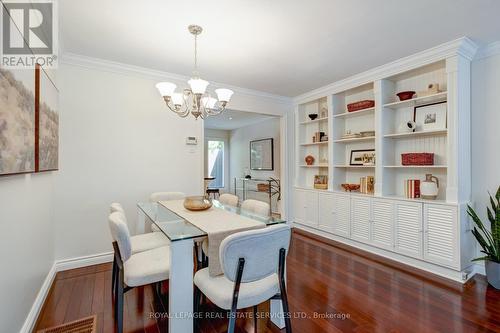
(355, 294)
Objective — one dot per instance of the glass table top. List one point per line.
(177, 228)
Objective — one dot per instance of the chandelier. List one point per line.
(194, 100)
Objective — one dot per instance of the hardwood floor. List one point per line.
(350, 293)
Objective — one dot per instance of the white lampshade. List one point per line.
(166, 88)
(224, 95)
(177, 98)
(208, 102)
(198, 86)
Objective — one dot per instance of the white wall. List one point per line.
(485, 130)
(26, 243)
(118, 142)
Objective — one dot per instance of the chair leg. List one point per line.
(113, 278)
(284, 298)
(196, 301)
(255, 318)
(119, 302)
(232, 321)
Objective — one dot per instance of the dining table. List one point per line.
(181, 227)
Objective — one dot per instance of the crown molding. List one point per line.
(461, 46)
(489, 50)
(78, 60)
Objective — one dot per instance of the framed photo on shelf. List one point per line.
(321, 182)
(362, 157)
(430, 117)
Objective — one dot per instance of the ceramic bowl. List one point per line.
(404, 95)
(351, 187)
(197, 203)
(313, 116)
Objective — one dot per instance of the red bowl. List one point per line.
(404, 95)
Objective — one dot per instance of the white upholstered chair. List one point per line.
(253, 263)
(164, 196)
(256, 207)
(229, 199)
(138, 243)
(137, 269)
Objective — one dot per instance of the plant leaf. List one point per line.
(481, 258)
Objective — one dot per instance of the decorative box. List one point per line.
(261, 187)
(356, 106)
(417, 159)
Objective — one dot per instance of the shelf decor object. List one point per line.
(312, 116)
(321, 182)
(412, 188)
(432, 89)
(405, 95)
(195, 99)
(309, 159)
(364, 157)
(430, 117)
(357, 106)
(351, 187)
(417, 159)
(429, 188)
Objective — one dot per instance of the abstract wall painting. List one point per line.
(48, 123)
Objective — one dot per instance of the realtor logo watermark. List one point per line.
(29, 34)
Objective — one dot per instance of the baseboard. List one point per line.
(59, 266)
(72, 263)
(32, 317)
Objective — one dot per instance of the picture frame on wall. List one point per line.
(430, 117)
(262, 155)
(362, 157)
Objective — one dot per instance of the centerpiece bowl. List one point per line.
(197, 203)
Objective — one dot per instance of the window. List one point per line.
(215, 162)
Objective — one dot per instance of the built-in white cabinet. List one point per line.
(382, 222)
(306, 207)
(360, 218)
(409, 229)
(422, 230)
(440, 234)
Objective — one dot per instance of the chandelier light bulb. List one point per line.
(208, 102)
(166, 89)
(224, 95)
(198, 86)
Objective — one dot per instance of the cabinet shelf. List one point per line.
(314, 121)
(417, 166)
(346, 166)
(417, 134)
(439, 97)
(314, 166)
(366, 138)
(314, 143)
(355, 113)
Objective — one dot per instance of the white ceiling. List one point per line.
(232, 119)
(285, 47)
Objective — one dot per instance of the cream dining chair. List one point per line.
(256, 207)
(134, 269)
(228, 199)
(164, 196)
(254, 271)
(138, 243)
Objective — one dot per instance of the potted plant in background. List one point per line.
(489, 240)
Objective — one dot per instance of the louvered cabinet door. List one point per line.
(409, 229)
(383, 224)
(441, 234)
(311, 208)
(299, 206)
(326, 212)
(360, 219)
(342, 214)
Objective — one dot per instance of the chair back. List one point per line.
(260, 248)
(121, 234)
(165, 196)
(256, 207)
(116, 207)
(228, 199)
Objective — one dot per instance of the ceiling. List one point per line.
(232, 119)
(282, 47)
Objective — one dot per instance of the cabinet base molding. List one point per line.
(445, 276)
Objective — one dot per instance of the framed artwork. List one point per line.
(321, 182)
(430, 117)
(362, 157)
(48, 123)
(262, 155)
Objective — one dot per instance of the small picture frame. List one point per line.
(430, 117)
(321, 182)
(362, 157)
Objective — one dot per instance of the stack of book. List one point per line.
(412, 188)
(367, 185)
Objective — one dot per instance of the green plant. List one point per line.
(488, 240)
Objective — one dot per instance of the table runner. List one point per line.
(218, 224)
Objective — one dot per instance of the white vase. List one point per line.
(429, 188)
